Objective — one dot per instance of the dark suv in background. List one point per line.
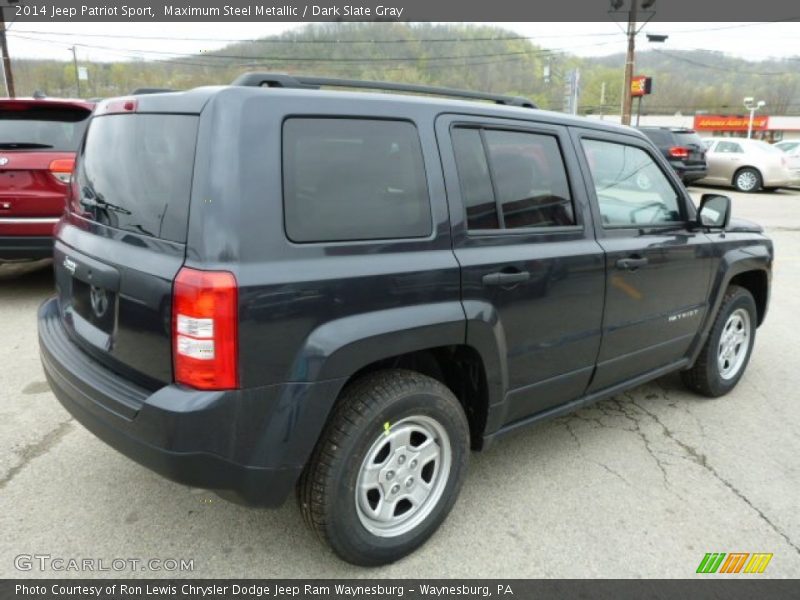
(38, 141)
(683, 149)
(268, 285)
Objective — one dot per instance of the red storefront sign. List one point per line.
(641, 85)
(729, 123)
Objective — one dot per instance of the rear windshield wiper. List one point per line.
(92, 201)
(23, 146)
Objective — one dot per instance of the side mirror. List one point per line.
(714, 211)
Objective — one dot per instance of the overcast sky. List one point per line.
(118, 41)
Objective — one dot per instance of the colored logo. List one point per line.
(734, 562)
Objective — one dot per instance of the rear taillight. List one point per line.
(678, 152)
(61, 169)
(205, 329)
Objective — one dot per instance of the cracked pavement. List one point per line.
(639, 485)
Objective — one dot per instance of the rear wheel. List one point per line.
(747, 180)
(724, 357)
(388, 467)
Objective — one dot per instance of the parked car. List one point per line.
(747, 165)
(38, 140)
(266, 285)
(792, 152)
(683, 148)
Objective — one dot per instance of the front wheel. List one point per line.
(724, 357)
(388, 467)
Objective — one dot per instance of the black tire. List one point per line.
(742, 175)
(327, 488)
(704, 376)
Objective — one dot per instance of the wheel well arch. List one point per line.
(459, 367)
(755, 282)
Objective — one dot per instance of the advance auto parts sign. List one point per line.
(728, 123)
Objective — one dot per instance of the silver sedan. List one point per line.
(747, 165)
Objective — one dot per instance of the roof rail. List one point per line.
(312, 83)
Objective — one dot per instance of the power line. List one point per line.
(291, 40)
(533, 52)
(697, 63)
(286, 40)
(255, 62)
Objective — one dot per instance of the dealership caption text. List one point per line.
(251, 10)
(255, 590)
(171, 590)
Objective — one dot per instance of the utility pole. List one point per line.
(627, 100)
(602, 98)
(8, 75)
(77, 74)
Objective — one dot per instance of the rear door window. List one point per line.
(512, 179)
(135, 173)
(353, 179)
(474, 178)
(58, 129)
(530, 179)
(728, 148)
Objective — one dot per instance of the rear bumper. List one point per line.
(691, 176)
(12, 246)
(689, 173)
(248, 445)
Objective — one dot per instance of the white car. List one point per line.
(792, 152)
(748, 165)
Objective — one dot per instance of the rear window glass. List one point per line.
(353, 179)
(48, 129)
(135, 173)
(688, 138)
(658, 136)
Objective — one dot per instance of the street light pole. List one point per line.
(751, 105)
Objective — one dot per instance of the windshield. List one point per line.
(42, 129)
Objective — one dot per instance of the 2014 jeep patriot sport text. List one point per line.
(263, 287)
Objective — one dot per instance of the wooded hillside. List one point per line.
(475, 57)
